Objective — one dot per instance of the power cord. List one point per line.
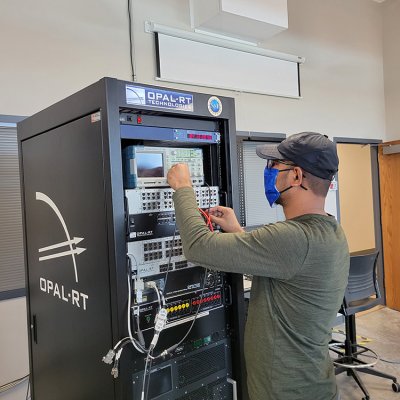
(366, 355)
(148, 381)
(383, 359)
(146, 371)
(131, 48)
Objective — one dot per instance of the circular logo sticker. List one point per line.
(214, 106)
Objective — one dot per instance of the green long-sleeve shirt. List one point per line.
(300, 269)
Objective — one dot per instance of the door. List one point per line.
(355, 195)
(358, 198)
(389, 175)
(67, 260)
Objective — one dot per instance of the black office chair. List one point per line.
(362, 293)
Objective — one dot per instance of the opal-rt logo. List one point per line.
(66, 248)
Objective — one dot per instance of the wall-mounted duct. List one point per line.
(254, 20)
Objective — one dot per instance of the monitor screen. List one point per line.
(149, 165)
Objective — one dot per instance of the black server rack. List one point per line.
(104, 259)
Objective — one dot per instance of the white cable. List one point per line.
(115, 352)
(118, 344)
(129, 316)
(153, 285)
(163, 299)
(173, 347)
(160, 295)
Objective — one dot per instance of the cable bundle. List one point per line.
(207, 219)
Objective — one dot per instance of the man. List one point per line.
(299, 267)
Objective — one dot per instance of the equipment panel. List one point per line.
(146, 166)
(177, 309)
(105, 259)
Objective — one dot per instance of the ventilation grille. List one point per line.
(200, 365)
(218, 390)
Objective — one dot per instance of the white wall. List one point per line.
(14, 361)
(52, 49)
(391, 53)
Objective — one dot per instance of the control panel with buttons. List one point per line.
(147, 166)
(160, 199)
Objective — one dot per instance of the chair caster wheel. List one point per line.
(396, 387)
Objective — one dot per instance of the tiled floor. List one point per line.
(379, 330)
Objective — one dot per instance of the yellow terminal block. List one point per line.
(180, 307)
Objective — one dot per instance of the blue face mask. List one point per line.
(271, 192)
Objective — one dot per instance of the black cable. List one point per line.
(209, 197)
(131, 39)
(148, 379)
(169, 259)
(139, 332)
(148, 357)
(365, 355)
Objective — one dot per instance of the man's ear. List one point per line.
(297, 176)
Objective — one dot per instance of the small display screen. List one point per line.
(164, 382)
(149, 165)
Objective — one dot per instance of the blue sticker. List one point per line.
(153, 97)
(214, 106)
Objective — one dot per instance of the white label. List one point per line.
(72, 296)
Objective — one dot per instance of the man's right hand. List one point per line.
(225, 217)
(179, 176)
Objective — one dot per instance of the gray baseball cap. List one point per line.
(313, 152)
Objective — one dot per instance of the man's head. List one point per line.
(312, 157)
(313, 152)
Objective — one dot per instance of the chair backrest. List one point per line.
(362, 282)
